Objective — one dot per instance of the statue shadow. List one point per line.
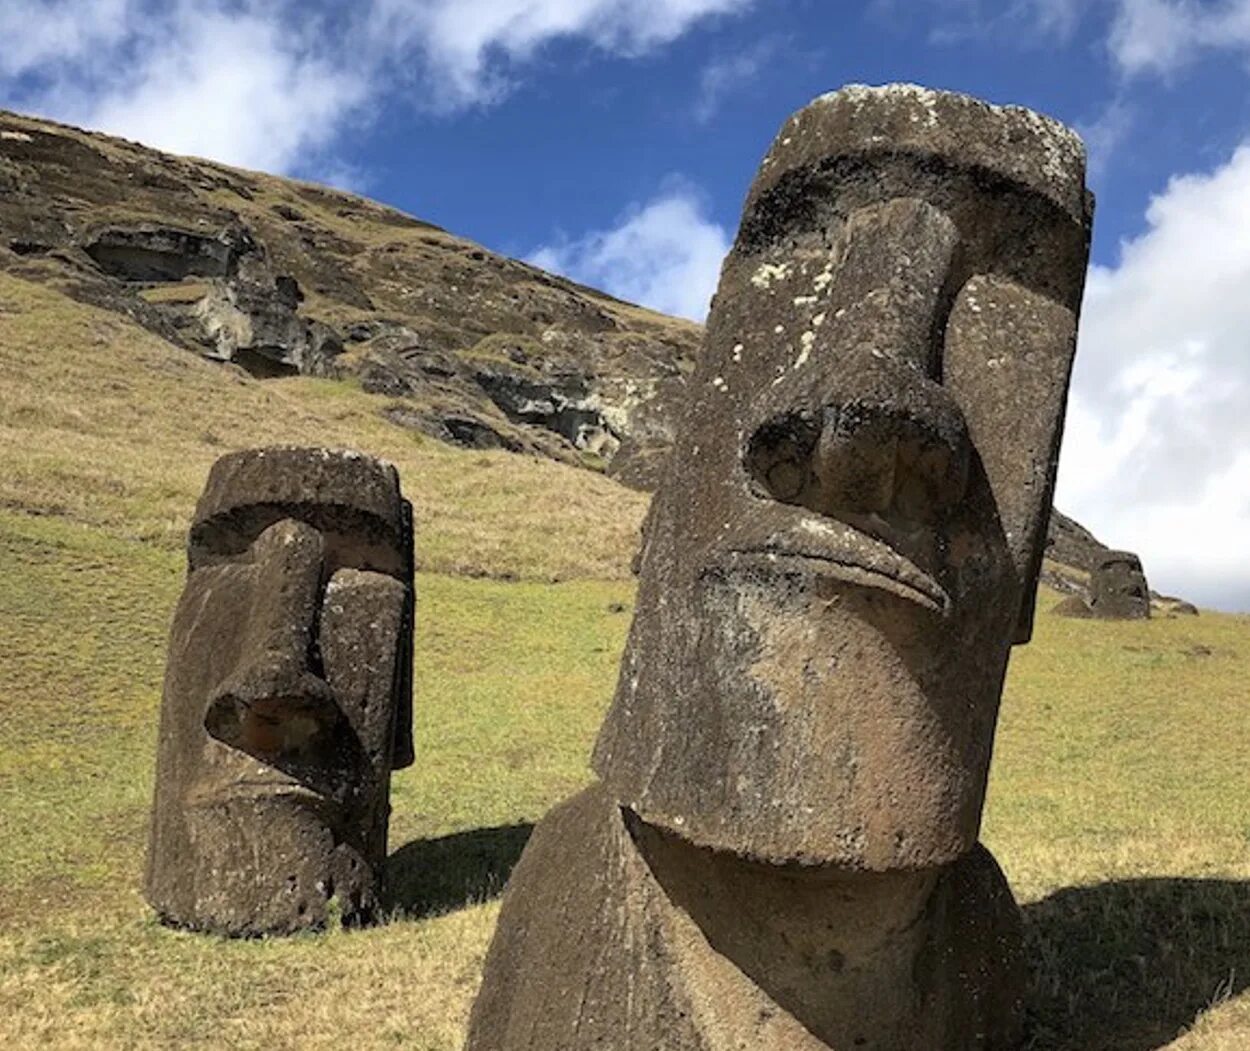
(1126, 966)
(431, 876)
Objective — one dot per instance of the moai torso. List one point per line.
(782, 850)
(288, 695)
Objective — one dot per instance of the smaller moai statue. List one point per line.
(288, 695)
(1118, 589)
(782, 847)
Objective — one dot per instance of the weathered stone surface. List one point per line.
(618, 936)
(288, 695)
(782, 851)
(1117, 591)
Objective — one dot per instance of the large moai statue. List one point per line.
(782, 850)
(288, 695)
(1118, 589)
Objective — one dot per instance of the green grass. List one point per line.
(1118, 801)
(513, 680)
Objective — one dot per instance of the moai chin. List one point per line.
(1118, 589)
(782, 849)
(288, 695)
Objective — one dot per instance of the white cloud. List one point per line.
(729, 73)
(238, 89)
(1157, 454)
(1160, 36)
(473, 46)
(240, 85)
(665, 255)
(271, 84)
(1055, 16)
(965, 19)
(40, 31)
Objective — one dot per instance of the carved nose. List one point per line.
(880, 436)
(274, 704)
(858, 458)
(874, 461)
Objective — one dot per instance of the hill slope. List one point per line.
(1115, 806)
(284, 277)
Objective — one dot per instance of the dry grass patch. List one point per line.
(103, 423)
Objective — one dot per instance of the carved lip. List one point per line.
(839, 552)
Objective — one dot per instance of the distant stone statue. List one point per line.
(288, 695)
(782, 850)
(1118, 589)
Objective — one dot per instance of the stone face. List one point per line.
(1118, 589)
(288, 695)
(847, 541)
(782, 851)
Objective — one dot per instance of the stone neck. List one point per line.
(841, 951)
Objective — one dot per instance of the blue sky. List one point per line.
(614, 140)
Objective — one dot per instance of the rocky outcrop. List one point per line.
(283, 278)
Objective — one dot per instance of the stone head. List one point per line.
(288, 694)
(847, 540)
(1118, 588)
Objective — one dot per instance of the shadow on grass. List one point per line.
(431, 876)
(1126, 966)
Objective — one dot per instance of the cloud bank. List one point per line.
(265, 84)
(1157, 454)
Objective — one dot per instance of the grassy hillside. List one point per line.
(1119, 804)
(105, 424)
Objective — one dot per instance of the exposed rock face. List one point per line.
(283, 277)
(782, 851)
(288, 695)
(156, 254)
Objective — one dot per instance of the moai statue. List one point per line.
(782, 850)
(288, 695)
(1118, 589)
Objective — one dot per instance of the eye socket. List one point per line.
(779, 456)
(351, 542)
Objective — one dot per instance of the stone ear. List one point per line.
(1008, 361)
(1025, 618)
(403, 752)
